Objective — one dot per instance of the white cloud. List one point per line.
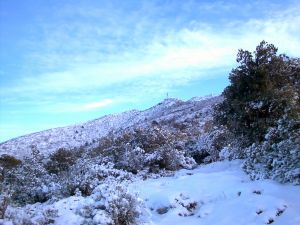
(96, 105)
(78, 107)
(171, 58)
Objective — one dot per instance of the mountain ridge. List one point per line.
(87, 133)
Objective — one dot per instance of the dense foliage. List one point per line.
(261, 108)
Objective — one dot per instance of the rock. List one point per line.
(162, 210)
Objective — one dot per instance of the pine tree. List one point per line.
(261, 108)
(263, 89)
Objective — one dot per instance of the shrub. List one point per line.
(278, 156)
(31, 216)
(86, 174)
(132, 160)
(4, 200)
(173, 159)
(208, 146)
(30, 182)
(112, 204)
(154, 148)
(7, 163)
(123, 207)
(61, 160)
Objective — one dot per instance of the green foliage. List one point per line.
(62, 159)
(261, 108)
(264, 88)
(9, 162)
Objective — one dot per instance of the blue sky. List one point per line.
(64, 62)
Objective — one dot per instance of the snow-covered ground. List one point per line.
(217, 193)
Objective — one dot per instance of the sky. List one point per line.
(64, 62)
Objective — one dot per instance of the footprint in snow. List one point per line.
(259, 211)
(270, 220)
(281, 210)
(258, 192)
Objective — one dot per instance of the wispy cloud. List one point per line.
(95, 105)
(73, 107)
(202, 48)
(86, 53)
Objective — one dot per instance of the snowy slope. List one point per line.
(223, 195)
(214, 194)
(66, 137)
(88, 133)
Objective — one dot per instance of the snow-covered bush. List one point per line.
(173, 159)
(278, 156)
(7, 164)
(141, 149)
(132, 159)
(86, 174)
(225, 153)
(124, 207)
(31, 215)
(30, 182)
(232, 150)
(113, 204)
(207, 148)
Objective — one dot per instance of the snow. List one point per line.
(90, 132)
(201, 98)
(66, 209)
(223, 194)
(213, 194)
(68, 137)
(256, 105)
(216, 193)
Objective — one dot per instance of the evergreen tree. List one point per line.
(263, 89)
(261, 108)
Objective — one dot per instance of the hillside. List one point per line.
(165, 165)
(90, 132)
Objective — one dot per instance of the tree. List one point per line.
(261, 108)
(263, 89)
